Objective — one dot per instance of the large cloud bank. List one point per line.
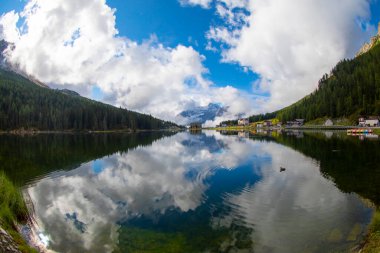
(289, 43)
(76, 44)
(80, 209)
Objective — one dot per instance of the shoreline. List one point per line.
(371, 243)
(311, 127)
(122, 131)
(13, 214)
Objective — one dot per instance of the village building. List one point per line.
(243, 122)
(267, 123)
(372, 121)
(362, 122)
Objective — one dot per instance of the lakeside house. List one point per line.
(195, 126)
(370, 121)
(267, 123)
(328, 122)
(243, 122)
(362, 121)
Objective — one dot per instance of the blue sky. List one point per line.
(288, 44)
(174, 24)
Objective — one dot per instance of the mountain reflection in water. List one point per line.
(198, 193)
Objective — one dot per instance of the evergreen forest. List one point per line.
(25, 105)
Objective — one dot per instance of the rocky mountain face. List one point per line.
(7, 66)
(201, 114)
(367, 46)
(3, 46)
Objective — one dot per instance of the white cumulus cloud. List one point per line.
(75, 44)
(202, 3)
(289, 43)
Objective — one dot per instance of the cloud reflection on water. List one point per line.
(80, 209)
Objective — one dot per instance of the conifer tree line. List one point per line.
(24, 104)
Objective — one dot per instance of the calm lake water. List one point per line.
(200, 192)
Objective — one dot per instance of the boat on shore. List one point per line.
(359, 131)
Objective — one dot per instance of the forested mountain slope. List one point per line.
(25, 105)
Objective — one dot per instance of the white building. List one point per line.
(362, 122)
(372, 122)
(243, 122)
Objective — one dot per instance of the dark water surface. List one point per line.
(203, 192)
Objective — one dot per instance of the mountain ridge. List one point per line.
(201, 114)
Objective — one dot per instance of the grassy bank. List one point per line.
(13, 211)
(232, 128)
(372, 244)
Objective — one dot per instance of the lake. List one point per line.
(197, 192)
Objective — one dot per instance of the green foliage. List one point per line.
(12, 205)
(25, 105)
(13, 210)
(230, 122)
(254, 118)
(353, 88)
(262, 117)
(372, 244)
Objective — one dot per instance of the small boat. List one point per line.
(359, 131)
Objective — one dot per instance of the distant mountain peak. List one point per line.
(373, 42)
(201, 114)
(3, 47)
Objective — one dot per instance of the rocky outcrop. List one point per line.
(367, 46)
(7, 244)
(4, 64)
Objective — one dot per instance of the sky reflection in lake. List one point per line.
(225, 188)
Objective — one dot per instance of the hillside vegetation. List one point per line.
(24, 104)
